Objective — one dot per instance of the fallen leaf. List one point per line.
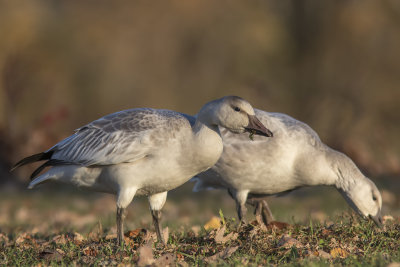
(311, 254)
(221, 255)
(165, 260)
(111, 236)
(288, 242)
(145, 256)
(88, 251)
(387, 218)
(333, 242)
(183, 264)
(51, 255)
(135, 233)
(109, 263)
(3, 238)
(213, 223)
(338, 252)
(59, 239)
(278, 225)
(78, 238)
(151, 237)
(22, 238)
(323, 254)
(60, 251)
(326, 232)
(221, 239)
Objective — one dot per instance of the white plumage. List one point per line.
(144, 152)
(295, 157)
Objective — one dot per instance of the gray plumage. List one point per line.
(120, 137)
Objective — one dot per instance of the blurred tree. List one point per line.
(334, 65)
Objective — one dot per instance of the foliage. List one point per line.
(348, 241)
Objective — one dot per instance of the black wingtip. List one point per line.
(31, 159)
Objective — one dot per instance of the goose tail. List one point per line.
(33, 158)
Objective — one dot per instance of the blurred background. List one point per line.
(334, 65)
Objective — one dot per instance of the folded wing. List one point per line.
(120, 137)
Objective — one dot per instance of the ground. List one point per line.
(54, 225)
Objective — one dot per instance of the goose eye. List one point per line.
(237, 109)
(374, 198)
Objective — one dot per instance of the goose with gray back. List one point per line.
(294, 158)
(144, 152)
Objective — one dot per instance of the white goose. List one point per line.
(144, 152)
(295, 157)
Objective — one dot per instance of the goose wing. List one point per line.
(121, 137)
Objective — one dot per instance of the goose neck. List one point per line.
(346, 172)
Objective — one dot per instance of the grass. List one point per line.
(53, 227)
(350, 241)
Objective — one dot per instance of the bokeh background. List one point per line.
(332, 64)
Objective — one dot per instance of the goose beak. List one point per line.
(256, 127)
(377, 219)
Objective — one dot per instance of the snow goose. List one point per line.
(295, 157)
(144, 152)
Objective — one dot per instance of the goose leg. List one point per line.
(124, 198)
(157, 201)
(257, 212)
(257, 209)
(120, 225)
(156, 214)
(240, 198)
(266, 213)
(261, 210)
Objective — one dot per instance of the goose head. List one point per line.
(364, 197)
(235, 114)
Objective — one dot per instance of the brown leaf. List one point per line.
(77, 238)
(326, 232)
(288, 242)
(145, 256)
(135, 233)
(311, 254)
(338, 252)
(183, 264)
(51, 255)
(151, 237)
(278, 225)
(323, 254)
(111, 236)
(387, 218)
(166, 260)
(221, 255)
(3, 238)
(88, 251)
(221, 239)
(23, 238)
(180, 257)
(59, 239)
